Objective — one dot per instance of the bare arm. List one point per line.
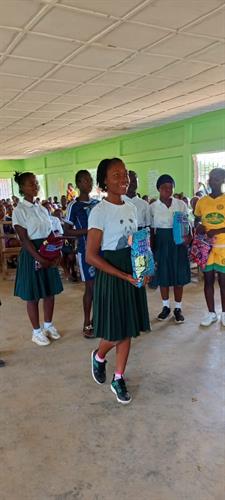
(28, 245)
(69, 231)
(94, 259)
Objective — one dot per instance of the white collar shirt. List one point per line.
(143, 210)
(162, 216)
(34, 218)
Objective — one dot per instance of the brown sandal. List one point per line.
(88, 332)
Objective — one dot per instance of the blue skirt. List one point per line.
(32, 285)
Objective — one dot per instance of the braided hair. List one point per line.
(20, 179)
(102, 169)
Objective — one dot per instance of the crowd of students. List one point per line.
(96, 236)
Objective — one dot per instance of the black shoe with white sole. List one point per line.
(178, 316)
(118, 387)
(164, 313)
(98, 369)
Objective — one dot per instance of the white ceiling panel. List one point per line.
(182, 70)
(74, 71)
(214, 26)
(179, 45)
(132, 36)
(54, 86)
(99, 57)
(145, 64)
(150, 83)
(70, 24)
(43, 47)
(6, 37)
(24, 67)
(213, 55)
(175, 13)
(14, 82)
(115, 79)
(108, 7)
(74, 74)
(17, 12)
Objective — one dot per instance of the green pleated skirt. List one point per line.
(32, 285)
(172, 262)
(120, 309)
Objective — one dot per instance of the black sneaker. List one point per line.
(118, 387)
(2, 363)
(178, 316)
(98, 369)
(164, 313)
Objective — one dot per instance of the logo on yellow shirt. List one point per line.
(214, 218)
(220, 207)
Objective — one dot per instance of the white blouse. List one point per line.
(34, 218)
(143, 210)
(162, 216)
(117, 222)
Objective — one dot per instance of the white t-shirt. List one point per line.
(162, 216)
(117, 222)
(143, 210)
(34, 218)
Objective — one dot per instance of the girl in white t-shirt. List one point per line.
(33, 225)
(120, 308)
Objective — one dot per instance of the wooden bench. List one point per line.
(7, 252)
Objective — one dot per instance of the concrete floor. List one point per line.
(63, 437)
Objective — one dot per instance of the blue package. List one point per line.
(180, 227)
(141, 256)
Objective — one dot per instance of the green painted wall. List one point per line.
(8, 167)
(165, 149)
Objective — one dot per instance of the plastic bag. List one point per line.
(180, 227)
(141, 256)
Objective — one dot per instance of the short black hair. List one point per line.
(103, 166)
(80, 174)
(20, 178)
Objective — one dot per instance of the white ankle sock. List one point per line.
(178, 305)
(47, 324)
(36, 331)
(100, 360)
(166, 303)
(118, 375)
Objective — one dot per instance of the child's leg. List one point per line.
(164, 290)
(33, 313)
(122, 353)
(48, 304)
(104, 347)
(209, 280)
(221, 279)
(178, 293)
(87, 301)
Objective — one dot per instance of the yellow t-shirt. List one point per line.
(212, 213)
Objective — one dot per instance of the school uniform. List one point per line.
(143, 210)
(212, 213)
(77, 216)
(120, 309)
(173, 268)
(32, 284)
